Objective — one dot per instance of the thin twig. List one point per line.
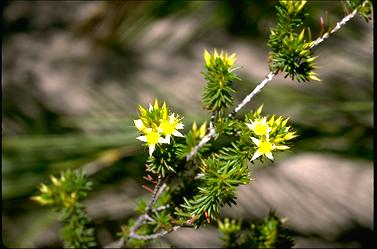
(337, 26)
(256, 90)
(161, 208)
(156, 235)
(202, 142)
(139, 222)
(158, 190)
(154, 195)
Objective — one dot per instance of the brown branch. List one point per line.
(158, 189)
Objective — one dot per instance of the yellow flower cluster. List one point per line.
(229, 226)
(200, 132)
(211, 59)
(47, 196)
(294, 6)
(261, 128)
(157, 125)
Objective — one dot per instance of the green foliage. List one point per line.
(75, 232)
(130, 242)
(291, 53)
(160, 219)
(291, 15)
(270, 234)
(220, 181)
(213, 179)
(192, 138)
(164, 160)
(295, 58)
(158, 125)
(217, 95)
(248, 134)
(140, 205)
(65, 195)
(226, 126)
(230, 230)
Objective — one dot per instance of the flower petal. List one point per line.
(281, 147)
(256, 155)
(255, 140)
(177, 134)
(179, 126)
(207, 57)
(171, 118)
(139, 124)
(151, 149)
(269, 155)
(142, 138)
(165, 140)
(251, 126)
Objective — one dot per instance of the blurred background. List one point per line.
(74, 72)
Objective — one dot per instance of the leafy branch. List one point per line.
(271, 75)
(269, 234)
(191, 180)
(217, 98)
(65, 194)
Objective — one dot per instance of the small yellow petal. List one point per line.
(156, 107)
(269, 155)
(207, 57)
(177, 134)
(43, 188)
(255, 140)
(139, 124)
(151, 148)
(202, 130)
(142, 111)
(313, 77)
(259, 110)
(54, 181)
(256, 155)
(41, 200)
(215, 54)
(142, 138)
(281, 147)
(301, 35)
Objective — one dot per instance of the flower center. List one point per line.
(167, 127)
(260, 129)
(152, 137)
(265, 147)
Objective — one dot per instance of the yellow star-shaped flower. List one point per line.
(265, 147)
(152, 138)
(227, 60)
(170, 127)
(259, 126)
